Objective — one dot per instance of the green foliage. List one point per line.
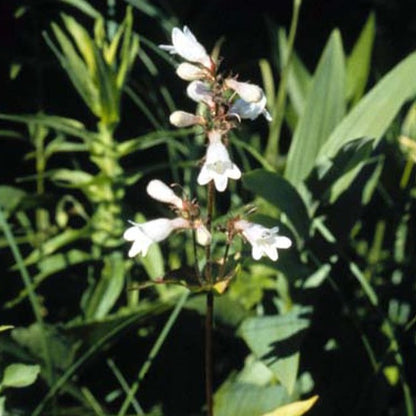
(341, 297)
(324, 109)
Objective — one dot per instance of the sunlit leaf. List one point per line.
(324, 109)
(5, 327)
(358, 63)
(294, 409)
(20, 375)
(245, 399)
(374, 113)
(275, 340)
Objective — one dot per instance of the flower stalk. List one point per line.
(227, 101)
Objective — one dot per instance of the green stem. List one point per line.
(37, 310)
(153, 353)
(406, 173)
(272, 148)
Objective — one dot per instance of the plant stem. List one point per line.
(272, 148)
(209, 308)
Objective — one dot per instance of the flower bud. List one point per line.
(190, 72)
(184, 119)
(163, 193)
(248, 92)
(203, 236)
(200, 92)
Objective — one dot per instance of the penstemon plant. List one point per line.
(224, 101)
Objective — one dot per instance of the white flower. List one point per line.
(200, 92)
(264, 241)
(184, 119)
(244, 109)
(190, 72)
(163, 193)
(248, 92)
(185, 45)
(218, 167)
(144, 235)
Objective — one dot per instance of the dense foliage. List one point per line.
(87, 330)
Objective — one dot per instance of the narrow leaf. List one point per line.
(358, 63)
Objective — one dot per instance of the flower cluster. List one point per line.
(225, 102)
(154, 231)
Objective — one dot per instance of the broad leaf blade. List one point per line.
(275, 340)
(20, 375)
(325, 107)
(376, 110)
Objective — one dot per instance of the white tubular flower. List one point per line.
(184, 119)
(144, 235)
(244, 109)
(203, 236)
(264, 241)
(218, 167)
(185, 45)
(163, 193)
(248, 92)
(200, 92)
(190, 72)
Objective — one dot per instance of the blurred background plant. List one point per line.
(335, 316)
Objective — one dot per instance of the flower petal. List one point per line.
(282, 242)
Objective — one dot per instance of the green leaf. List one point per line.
(2, 405)
(278, 191)
(150, 140)
(324, 109)
(359, 61)
(20, 375)
(129, 49)
(5, 327)
(55, 243)
(78, 72)
(109, 287)
(332, 177)
(275, 340)
(298, 408)
(299, 78)
(317, 278)
(63, 124)
(244, 399)
(83, 42)
(374, 113)
(69, 177)
(84, 6)
(61, 348)
(10, 197)
(365, 284)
